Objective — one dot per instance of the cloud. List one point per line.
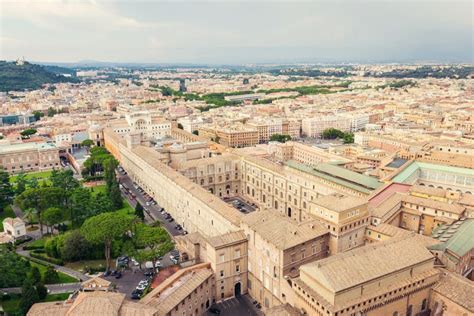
(228, 31)
(48, 13)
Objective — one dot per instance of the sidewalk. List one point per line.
(75, 274)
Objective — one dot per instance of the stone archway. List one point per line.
(237, 289)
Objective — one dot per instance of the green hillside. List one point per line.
(28, 76)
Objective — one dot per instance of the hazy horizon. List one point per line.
(236, 33)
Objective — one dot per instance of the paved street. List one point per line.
(153, 211)
(53, 288)
(128, 282)
(71, 272)
(237, 306)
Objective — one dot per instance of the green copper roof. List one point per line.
(460, 242)
(345, 177)
(416, 165)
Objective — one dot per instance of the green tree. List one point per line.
(28, 132)
(75, 246)
(332, 133)
(30, 215)
(14, 269)
(38, 115)
(40, 199)
(280, 138)
(52, 216)
(139, 211)
(6, 190)
(32, 183)
(51, 275)
(21, 183)
(105, 228)
(52, 112)
(111, 183)
(155, 242)
(35, 275)
(80, 208)
(196, 132)
(42, 291)
(348, 138)
(29, 296)
(88, 143)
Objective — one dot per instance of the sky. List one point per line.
(237, 32)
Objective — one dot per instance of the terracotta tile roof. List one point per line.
(349, 269)
(339, 202)
(281, 231)
(166, 298)
(457, 289)
(227, 239)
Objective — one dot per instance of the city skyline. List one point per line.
(237, 33)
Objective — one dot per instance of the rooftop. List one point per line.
(10, 148)
(345, 177)
(458, 238)
(339, 202)
(405, 175)
(355, 267)
(456, 288)
(281, 231)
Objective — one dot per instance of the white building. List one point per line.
(314, 126)
(145, 123)
(14, 227)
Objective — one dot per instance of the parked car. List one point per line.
(118, 275)
(170, 219)
(106, 273)
(148, 274)
(136, 294)
(214, 310)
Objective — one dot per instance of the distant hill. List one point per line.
(29, 76)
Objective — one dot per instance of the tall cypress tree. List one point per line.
(29, 296)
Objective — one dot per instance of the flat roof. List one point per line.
(416, 165)
(10, 148)
(345, 177)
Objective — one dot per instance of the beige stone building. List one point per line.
(189, 291)
(227, 255)
(452, 295)
(237, 135)
(27, 157)
(277, 246)
(388, 278)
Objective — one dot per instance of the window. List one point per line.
(222, 273)
(237, 253)
(424, 305)
(221, 257)
(409, 310)
(237, 268)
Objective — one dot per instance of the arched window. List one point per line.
(409, 310)
(395, 313)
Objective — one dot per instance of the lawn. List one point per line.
(97, 265)
(42, 176)
(63, 278)
(127, 209)
(98, 189)
(38, 243)
(7, 212)
(11, 306)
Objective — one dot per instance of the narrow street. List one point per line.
(153, 211)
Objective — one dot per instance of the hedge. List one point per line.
(44, 257)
